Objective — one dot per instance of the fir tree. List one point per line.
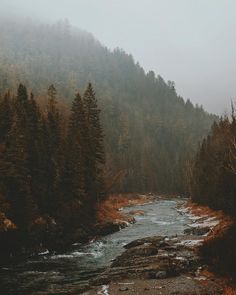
(5, 116)
(72, 179)
(53, 145)
(18, 156)
(95, 150)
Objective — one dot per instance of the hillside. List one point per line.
(151, 132)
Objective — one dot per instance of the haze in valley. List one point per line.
(187, 41)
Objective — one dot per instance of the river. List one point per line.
(64, 273)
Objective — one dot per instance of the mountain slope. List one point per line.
(151, 133)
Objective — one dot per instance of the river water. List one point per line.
(67, 272)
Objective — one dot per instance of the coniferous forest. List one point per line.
(59, 153)
(112, 177)
(51, 173)
(61, 150)
(213, 179)
(213, 183)
(150, 132)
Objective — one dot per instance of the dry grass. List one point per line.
(5, 223)
(230, 291)
(200, 210)
(219, 246)
(206, 273)
(109, 209)
(224, 221)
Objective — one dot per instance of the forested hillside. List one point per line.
(214, 184)
(214, 170)
(150, 132)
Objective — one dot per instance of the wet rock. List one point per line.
(197, 231)
(162, 252)
(132, 256)
(163, 244)
(161, 275)
(144, 250)
(153, 258)
(100, 280)
(80, 235)
(152, 240)
(123, 289)
(136, 212)
(171, 248)
(106, 228)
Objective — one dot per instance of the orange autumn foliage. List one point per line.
(5, 223)
(230, 291)
(110, 208)
(224, 221)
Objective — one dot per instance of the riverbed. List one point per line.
(64, 273)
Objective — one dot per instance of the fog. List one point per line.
(191, 42)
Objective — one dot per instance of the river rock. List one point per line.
(151, 240)
(197, 231)
(154, 258)
(122, 289)
(136, 212)
(106, 228)
(146, 249)
(161, 274)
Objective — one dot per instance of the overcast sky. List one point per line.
(192, 42)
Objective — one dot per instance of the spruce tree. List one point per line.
(53, 143)
(18, 177)
(95, 159)
(5, 116)
(72, 186)
(72, 178)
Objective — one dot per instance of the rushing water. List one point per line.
(64, 273)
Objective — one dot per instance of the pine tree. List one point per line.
(5, 116)
(53, 145)
(33, 139)
(18, 179)
(18, 176)
(72, 186)
(75, 151)
(95, 159)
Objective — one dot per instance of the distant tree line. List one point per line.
(213, 180)
(51, 172)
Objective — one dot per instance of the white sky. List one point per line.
(191, 42)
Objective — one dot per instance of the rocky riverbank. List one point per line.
(159, 254)
(47, 235)
(164, 265)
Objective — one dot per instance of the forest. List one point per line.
(214, 168)
(51, 172)
(213, 184)
(60, 150)
(150, 132)
(61, 160)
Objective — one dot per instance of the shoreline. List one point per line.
(157, 264)
(110, 219)
(173, 265)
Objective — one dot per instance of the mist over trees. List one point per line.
(80, 124)
(150, 132)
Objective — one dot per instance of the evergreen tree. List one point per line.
(5, 116)
(72, 186)
(18, 177)
(95, 159)
(72, 178)
(213, 182)
(53, 149)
